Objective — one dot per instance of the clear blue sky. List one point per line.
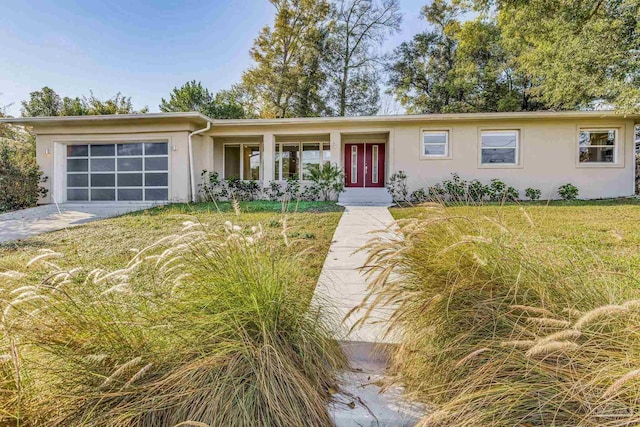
(142, 48)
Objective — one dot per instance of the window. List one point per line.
(597, 146)
(292, 160)
(435, 144)
(242, 161)
(499, 147)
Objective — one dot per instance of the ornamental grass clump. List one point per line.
(499, 327)
(200, 328)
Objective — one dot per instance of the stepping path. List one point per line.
(341, 287)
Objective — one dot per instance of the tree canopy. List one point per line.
(192, 96)
(46, 102)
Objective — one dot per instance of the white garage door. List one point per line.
(110, 172)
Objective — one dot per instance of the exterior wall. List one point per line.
(548, 157)
(53, 164)
(548, 152)
(548, 149)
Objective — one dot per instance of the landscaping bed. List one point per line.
(180, 315)
(516, 315)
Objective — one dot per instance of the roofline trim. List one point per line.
(106, 117)
(319, 120)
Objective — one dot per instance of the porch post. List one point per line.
(336, 148)
(268, 149)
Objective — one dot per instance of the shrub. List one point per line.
(533, 193)
(212, 188)
(274, 191)
(243, 190)
(476, 191)
(419, 196)
(455, 188)
(568, 191)
(501, 328)
(199, 328)
(20, 177)
(327, 181)
(292, 189)
(498, 191)
(436, 192)
(397, 187)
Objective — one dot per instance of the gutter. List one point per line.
(192, 179)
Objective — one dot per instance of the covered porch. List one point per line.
(284, 155)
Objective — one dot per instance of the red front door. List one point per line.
(364, 164)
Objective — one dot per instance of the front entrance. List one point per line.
(364, 164)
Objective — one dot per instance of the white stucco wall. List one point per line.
(548, 149)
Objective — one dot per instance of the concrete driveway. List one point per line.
(42, 219)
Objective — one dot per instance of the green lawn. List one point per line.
(109, 243)
(610, 228)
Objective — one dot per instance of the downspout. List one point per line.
(191, 175)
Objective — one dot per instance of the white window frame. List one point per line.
(618, 155)
(241, 145)
(518, 148)
(447, 144)
(278, 152)
(115, 171)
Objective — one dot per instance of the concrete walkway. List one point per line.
(42, 219)
(361, 400)
(341, 285)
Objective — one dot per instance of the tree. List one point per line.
(47, 102)
(20, 177)
(421, 76)
(359, 27)
(458, 67)
(192, 96)
(287, 77)
(580, 53)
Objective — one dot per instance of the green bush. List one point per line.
(499, 327)
(498, 191)
(533, 193)
(419, 196)
(327, 182)
(476, 191)
(200, 328)
(568, 191)
(20, 177)
(455, 188)
(397, 187)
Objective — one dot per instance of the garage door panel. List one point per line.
(77, 150)
(155, 149)
(103, 180)
(129, 180)
(78, 180)
(77, 165)
(156, 164)
(130, 164)
(156, 194)
(103, 150)
(77, 194)
(103, 194)
(129, 194)
(103, 165)
(110, 172)
(156, 180)
(129, 149)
